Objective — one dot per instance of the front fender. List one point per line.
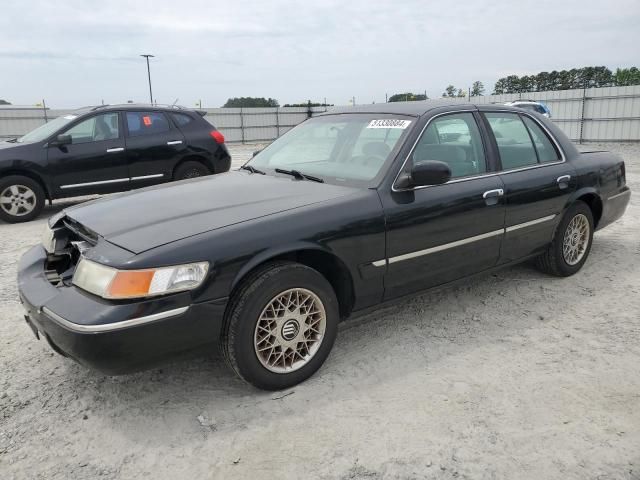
(273, 252)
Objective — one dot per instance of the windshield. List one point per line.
(46, 130)
(347, 148)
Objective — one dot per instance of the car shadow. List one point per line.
(417, 333)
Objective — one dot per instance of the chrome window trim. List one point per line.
(484, 175)
(108, 327)
(102, 182)
(464, 241)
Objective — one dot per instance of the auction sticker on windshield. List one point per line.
(389, 123)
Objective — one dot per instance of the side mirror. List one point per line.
(255, 153)
(428, 172)
(61, 140)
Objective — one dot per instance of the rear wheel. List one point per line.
(571, 242)
(280, 326)
(21, 199)
(190, 169)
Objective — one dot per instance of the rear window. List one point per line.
(146, 123)
(181, 119)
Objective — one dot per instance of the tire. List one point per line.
(241, 338)
(21, 199)
(554, 261)
(190, 169)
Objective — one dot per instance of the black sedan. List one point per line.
(106, 149)
(346, 211)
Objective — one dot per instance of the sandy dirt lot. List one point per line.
(515, 375)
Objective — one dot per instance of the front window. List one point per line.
(95, 129)
(342, 149)
(45, 131)
(455, 140)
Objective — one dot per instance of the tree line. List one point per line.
(587, 77)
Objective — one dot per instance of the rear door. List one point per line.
(537, 180)
(154, 147)
(437, 234)
(95, 162)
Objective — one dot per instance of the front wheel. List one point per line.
(571, 242)
(280, 326)
(21, 199)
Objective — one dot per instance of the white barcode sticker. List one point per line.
(389, 123)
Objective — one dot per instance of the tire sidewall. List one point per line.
(575, 209)
(37, 190)
(246, 318)
(191, 165)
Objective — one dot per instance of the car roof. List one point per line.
(133, 106)
(415, 109)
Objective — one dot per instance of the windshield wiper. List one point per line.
(252, 169)
(13, 140)
(299, 175)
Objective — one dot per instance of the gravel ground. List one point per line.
(514, 375)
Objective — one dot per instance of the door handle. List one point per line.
(175, 142)
(563, 181)
(491, 197)
(115, 150)
(498, 192)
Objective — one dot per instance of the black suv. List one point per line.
(106, 149)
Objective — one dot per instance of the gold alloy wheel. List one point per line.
(290, 330)
(576, 239)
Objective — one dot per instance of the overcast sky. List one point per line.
(75, 53)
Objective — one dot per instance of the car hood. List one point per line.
(11, 145)
(143, 219)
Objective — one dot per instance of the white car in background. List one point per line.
(532, 106)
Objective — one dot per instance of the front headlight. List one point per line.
(108, 282)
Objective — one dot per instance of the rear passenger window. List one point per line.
(455, 140)
(146, 123)
(514, 143)
(181, 119)
(544, 147)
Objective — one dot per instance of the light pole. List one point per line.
(149, 75)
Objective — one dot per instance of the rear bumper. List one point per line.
(108, 336)
(614, 206)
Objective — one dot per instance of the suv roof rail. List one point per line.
(147, 105)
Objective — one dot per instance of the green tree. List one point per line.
(407, 97)
(450, 91)
(499, 87)
(250, 102)
(627, 76)
(4, 102)
(477, 89)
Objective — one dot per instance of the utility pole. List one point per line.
(149, 75)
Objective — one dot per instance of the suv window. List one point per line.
(514, 143)
(146, 123)
(181, 119)
(95, 129)
(545, 149)
(455, 140)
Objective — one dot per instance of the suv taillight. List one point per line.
(217, 136)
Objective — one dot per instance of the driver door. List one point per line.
(95, 161)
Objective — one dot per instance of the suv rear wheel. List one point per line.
(190, 169)
(21, 199)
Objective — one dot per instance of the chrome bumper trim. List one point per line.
(626, 192)
(108, 327)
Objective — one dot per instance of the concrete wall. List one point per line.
(588, 115)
